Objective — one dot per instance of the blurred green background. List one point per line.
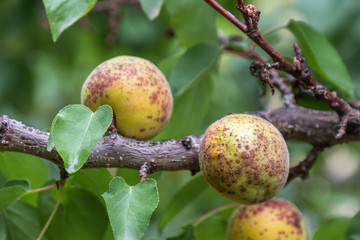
(39, 77)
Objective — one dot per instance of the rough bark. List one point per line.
(318, 128)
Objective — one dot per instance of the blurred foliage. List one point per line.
(39, 77)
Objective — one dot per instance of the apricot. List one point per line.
(274, 219)
(137, 91)
(244, 158)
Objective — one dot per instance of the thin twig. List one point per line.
(298, 70)
(282, 84)
(303, 168)
(227, 15)
(51, 215)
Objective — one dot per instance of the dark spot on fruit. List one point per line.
(242, 188)
(244, 155)
(142, 130)
(133, 71)
(153, 98)
(247, 162)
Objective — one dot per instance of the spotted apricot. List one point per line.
(137, 91)
(244, 158)
(274, 219)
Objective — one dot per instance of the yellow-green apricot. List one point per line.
(274, 219)
(244, 158)
(137, 91)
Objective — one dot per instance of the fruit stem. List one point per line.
(214, 211)
(42, 189)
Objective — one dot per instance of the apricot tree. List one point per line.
(72, 180)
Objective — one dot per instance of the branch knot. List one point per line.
(3, 126)
(186, 142)
(251, 16)
(145, 169)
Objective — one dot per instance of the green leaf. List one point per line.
(2, 177)
(187, 234)
(213, 228)
(196, 186)
(16, 183)
(93, 180)
(63, 13)
(108, 235)
(334, 229)
(168, 64)
(151, 7)
(131, 176)
(194, 102)
(79, 216)
(2, 227)
(22, 221)
(353, 232)
(24, 166)
(12, 191)
(76, 131)
(193, 21)
(322, 57)
(130, 208)
(233, 79)
(191, 65)
(192, 83)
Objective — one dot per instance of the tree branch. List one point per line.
(282, 83)
(318, 128)
(255, 36)
(302, 170)
(298, 69)
(112, 151)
